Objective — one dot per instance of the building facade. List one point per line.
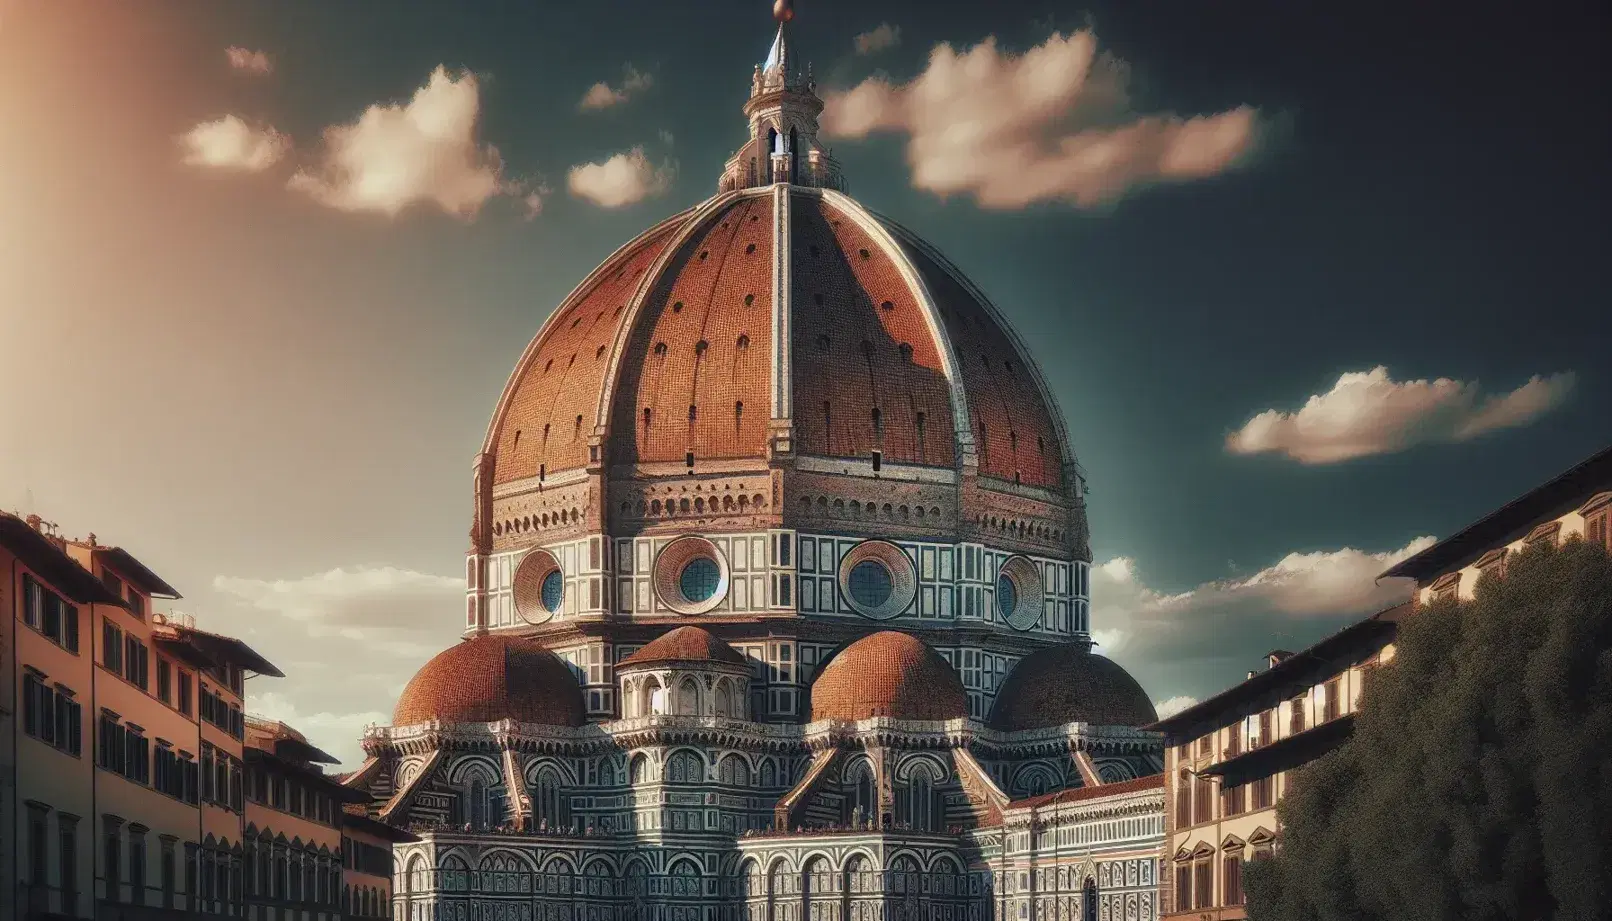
(1575, 504)
(1228, 760)
(778, 600)
(126, 792)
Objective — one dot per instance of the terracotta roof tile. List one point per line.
(702, 345)
(1069, 684)
(489, 678)
(1079, 794)
(888, 674)
(685, 644)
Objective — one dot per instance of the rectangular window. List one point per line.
(1183, 887)
(1334, 698)
(1295, 719)
(1596, 531)
(33, 602)
(1203, 883)
(1183, 800)
(137, 867)
(165, 682)
(37, 856)
(67, 863)
(184, 685)
(112, 859)
(1231, 801)
(136, 602)
(1266, 718)
(1234, 740)
(111, 646)
(1203, 800)
(1264, 792)
(1232, 881)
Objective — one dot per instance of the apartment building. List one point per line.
(49, 804)
(1577, 503)
(366, 854)
(127, 725)
(1228, 761)
(297, 831)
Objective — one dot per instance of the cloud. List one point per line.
(882, 37)
(361, 603)
(602, 95)
(623, 179)
(1168, 708)
(338, 733)
(1368, 412)
(348, 641)
(229, 143)
(1052, 124)
(246, 61)
(424, 151)
(1195, 643)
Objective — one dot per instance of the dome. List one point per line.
(668, 348)
(492, 677)
(888, 674)
(685, 644)
(1069, 684)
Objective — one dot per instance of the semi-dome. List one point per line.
(685, 644)
(888, 674)
(1069, 684)
(492, 677)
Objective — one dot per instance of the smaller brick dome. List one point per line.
(1068, 684)
(685, 644)
(888, 674)
(489, 678)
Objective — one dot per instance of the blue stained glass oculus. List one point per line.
(699, 579)
(553, 590)
(871, 584)
(1007, 595)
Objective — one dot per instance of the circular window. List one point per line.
(871, 583)
(553, 590)
(539, 587)
(878, 580)
(699, 579)
(691, 575)
(1019, 593)
(1007, 596)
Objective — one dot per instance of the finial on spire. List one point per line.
(783, 10)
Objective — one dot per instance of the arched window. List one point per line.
(684, 767)
(724, 699)
(769, 774)
(549, 801)
(639, 769)
(688, 698)
(921, 810)
(477, 811)
(1088, 900)
(860, 805)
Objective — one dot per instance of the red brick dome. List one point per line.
(888, 674)
(668, 349)
(1069, 684)
(492, 677)
(685, 644)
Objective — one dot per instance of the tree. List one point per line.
(1478, 783)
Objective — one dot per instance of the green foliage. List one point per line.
(1478, 784)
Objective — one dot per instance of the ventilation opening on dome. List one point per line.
(878, 460)
(693, 412)
(542, 471)
(688, 459)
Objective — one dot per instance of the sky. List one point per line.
(1312, 289)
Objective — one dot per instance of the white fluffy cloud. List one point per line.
(1169, 708)
(623, 179)
(877, 39)
(247, 61)
(348, 641)
(602, 95)
(1051, 124)
(1368, 412)
(1195, 643)
(359, 603)
(424, 151)
(229, 143)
